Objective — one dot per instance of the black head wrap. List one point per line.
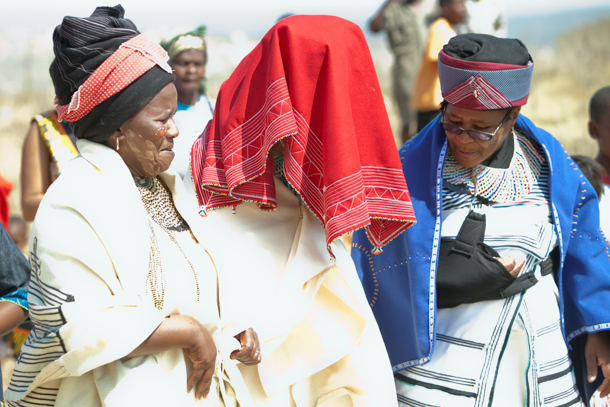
(487, 48)
(81, 45)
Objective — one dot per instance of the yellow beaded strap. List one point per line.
(159, 205)
(56, 139)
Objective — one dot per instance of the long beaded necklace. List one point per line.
(160, 208)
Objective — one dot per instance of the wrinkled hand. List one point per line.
(597, 353)
(513, 266)
(202, 354)
(249, 354)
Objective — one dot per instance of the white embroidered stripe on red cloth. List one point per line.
(325, 103)
(481, 90)
(348, 204)
(124, 66)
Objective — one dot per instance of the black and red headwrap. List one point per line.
(104, 71)
(483, 72)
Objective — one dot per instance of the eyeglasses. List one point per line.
(475, 134)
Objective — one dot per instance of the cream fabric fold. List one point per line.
(319, 340)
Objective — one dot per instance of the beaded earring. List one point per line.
(117, 144)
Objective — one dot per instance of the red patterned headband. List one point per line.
(133, 58)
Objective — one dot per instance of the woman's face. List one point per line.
(189, 68)
(470, 152)
(146, 139)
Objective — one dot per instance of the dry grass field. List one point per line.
(565, 77)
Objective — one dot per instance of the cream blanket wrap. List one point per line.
(320, 343)
(91, 239)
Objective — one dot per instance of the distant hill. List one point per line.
(541, 30)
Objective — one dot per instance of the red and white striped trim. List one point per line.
(374, 197)
(483, 91)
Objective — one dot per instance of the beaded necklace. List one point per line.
(160, 208)
(498, 184)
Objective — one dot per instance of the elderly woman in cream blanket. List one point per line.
(124, 295)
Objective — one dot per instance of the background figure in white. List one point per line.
(487, 17)
(188, 53)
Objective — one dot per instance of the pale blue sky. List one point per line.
(227, 15)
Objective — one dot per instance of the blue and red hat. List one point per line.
(482, 72)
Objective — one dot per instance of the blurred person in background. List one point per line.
(47, 148)
(18, 231)
(188, 57)
(595, 174)
(593, 171)
(124, 297)
(426, 98)
(283, 16)
(499, 295)
(599, 127)
(299, 153)
(599, 130)
(399, 19)
(486, 17)
(14, 276)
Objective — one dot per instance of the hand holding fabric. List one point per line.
(249, 354)
(597, 353)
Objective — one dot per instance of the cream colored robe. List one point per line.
(89, 249)
(320, 343)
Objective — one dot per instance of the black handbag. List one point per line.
(468, 270)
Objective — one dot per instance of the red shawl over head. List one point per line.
(311, 82)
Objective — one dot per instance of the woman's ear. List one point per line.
(114, 141)
(514, 115)
(593, 129)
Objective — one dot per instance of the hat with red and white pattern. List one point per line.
(483, 72)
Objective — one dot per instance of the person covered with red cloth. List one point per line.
(298, 153)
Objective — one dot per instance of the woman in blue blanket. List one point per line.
(498, 296)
